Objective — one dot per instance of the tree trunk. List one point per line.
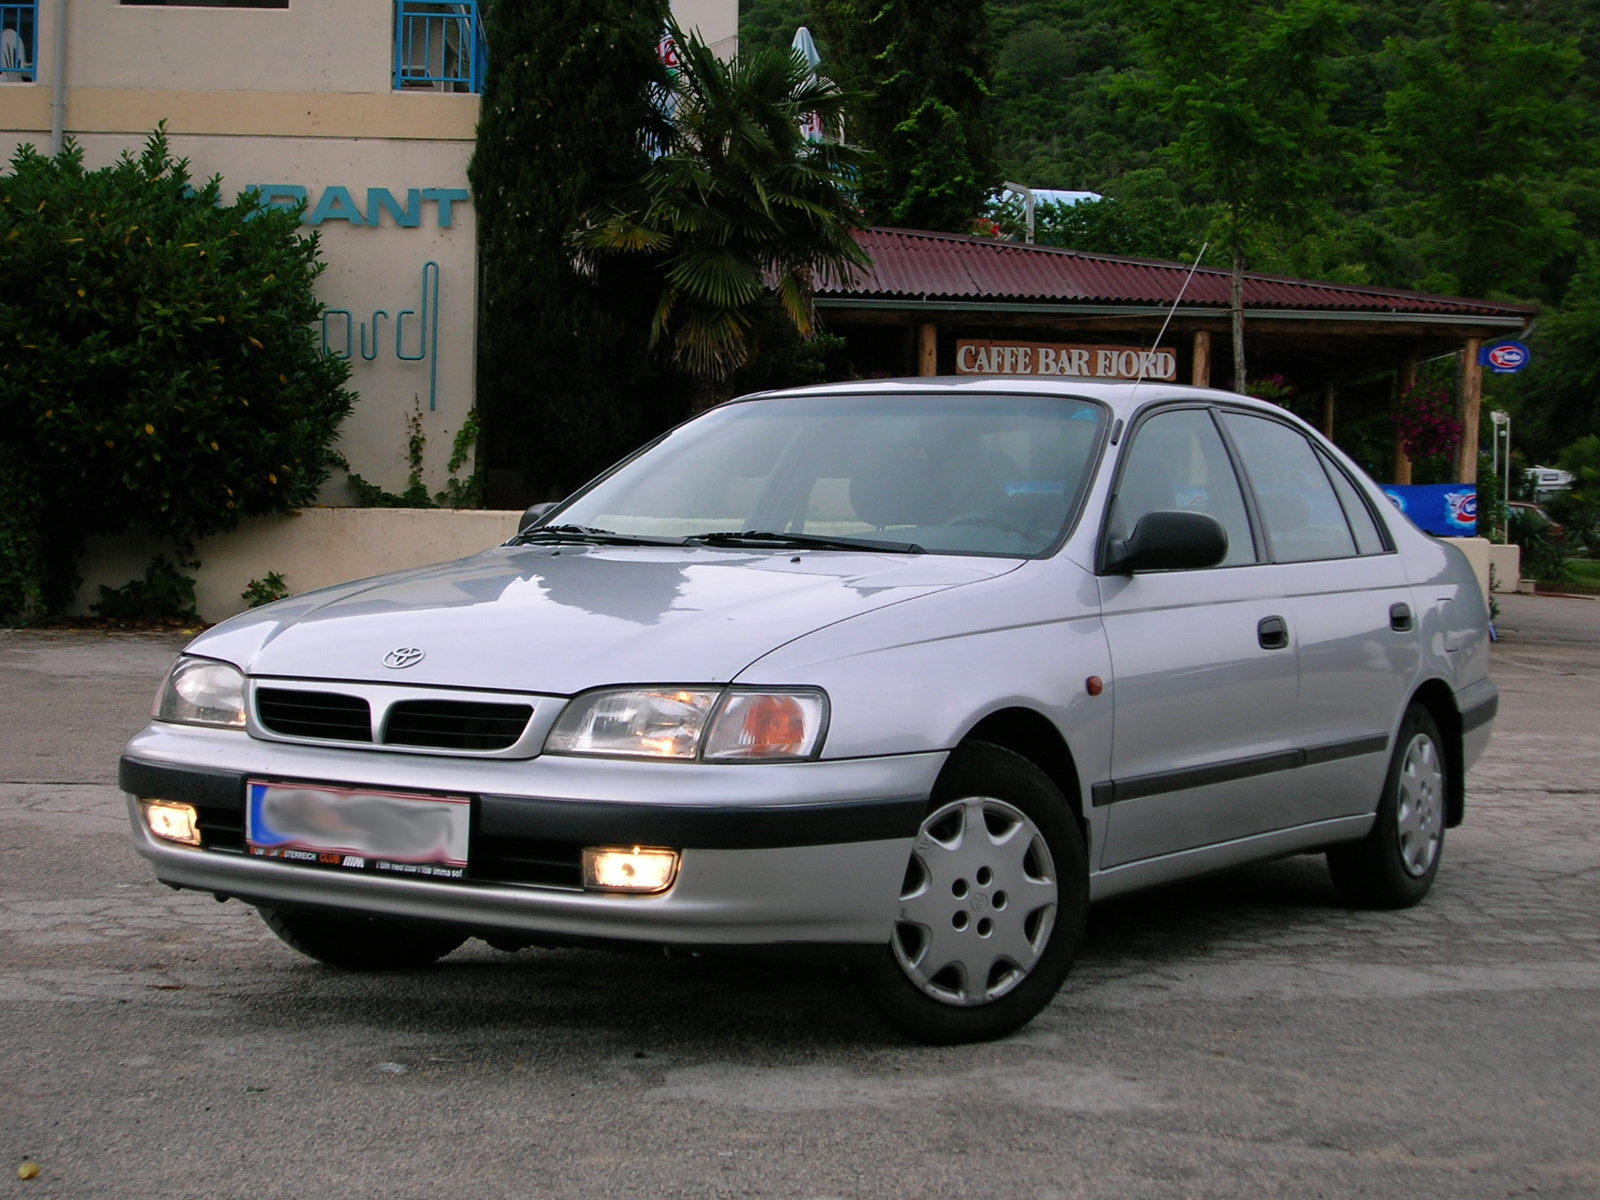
(1236, 314)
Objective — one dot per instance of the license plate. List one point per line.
(349, 827)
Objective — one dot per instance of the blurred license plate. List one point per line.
(353, 828)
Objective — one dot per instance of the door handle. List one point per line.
(1400, 618)
(1272, 633)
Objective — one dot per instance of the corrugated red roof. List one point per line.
(916, 265)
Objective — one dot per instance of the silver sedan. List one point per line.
(903, 673)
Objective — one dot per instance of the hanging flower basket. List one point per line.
(1425, 420)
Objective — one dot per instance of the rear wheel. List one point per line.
(1395, 864)
(360, 944)
(992, 907)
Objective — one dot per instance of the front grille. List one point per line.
(327, 715)
(456, 724)
(415, 719)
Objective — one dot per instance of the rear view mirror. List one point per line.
(1168, 540)
(534, 514)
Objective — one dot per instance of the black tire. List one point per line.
(1395, 864)
(358, 944)
(992, 907)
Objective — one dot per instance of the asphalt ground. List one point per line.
(1243, 1036)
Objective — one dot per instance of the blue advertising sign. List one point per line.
(1444, 509)
(1504, 358)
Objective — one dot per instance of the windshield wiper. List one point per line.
(549, 534)
(801, 541)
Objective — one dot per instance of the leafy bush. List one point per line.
(165, 591)
(159, 371)
(265, 590)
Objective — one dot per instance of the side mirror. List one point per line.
(534, 514)
(1169, 540)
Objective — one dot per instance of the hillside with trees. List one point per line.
(1433, 146)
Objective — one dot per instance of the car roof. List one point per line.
(1121, 396)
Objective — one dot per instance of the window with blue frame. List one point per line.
(439, 47)
(19, 40)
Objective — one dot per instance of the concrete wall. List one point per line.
(1484, 555)
(313, 548)
(322, 46)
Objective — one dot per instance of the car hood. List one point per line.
(561, 619)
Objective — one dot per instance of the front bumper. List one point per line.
(771, 853)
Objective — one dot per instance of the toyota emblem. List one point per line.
(402, 657)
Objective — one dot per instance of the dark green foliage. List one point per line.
(1479, 123)
(925, 72)
(1055, 119)
(163, 593)
(159, 371)
(564, 384)
(265, 590)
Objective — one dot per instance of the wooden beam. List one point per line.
(927, 348)
(1327, 411)
(1200, 371)
(1404, 380)
(1471, 402)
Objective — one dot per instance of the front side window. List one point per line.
(985, 474)
(1177, 460)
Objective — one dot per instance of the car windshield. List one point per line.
(954, 474)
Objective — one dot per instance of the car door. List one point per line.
(1350, 608)
(1204, 684)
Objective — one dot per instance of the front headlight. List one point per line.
(202, 691)
(715, 724)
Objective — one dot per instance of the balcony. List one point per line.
(439, 47)
(19, 40)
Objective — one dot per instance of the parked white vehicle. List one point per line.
(907, 671)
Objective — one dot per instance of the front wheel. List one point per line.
(992, 907)
(1395, 864)
(356, 944)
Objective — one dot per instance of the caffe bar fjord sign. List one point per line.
(1082, 362)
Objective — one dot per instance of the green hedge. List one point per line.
(159, 370)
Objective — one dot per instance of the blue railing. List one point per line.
(19, 40)
(439, 46)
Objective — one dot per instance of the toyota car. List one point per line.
(902, 674)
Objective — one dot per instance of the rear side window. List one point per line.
(1299, 507)
(1369, 539)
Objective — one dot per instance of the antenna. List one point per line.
(1176, 300)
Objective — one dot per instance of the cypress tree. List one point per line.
(570, 105)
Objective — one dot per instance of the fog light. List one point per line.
(610, 869)
(172, 822)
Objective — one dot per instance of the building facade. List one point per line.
(365, 110)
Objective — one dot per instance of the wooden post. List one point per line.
(1200, 369)
(927, 348)
(1471, 402)
(1327, 411)
(1405, 380)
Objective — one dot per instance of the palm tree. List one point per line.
(739, 206)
